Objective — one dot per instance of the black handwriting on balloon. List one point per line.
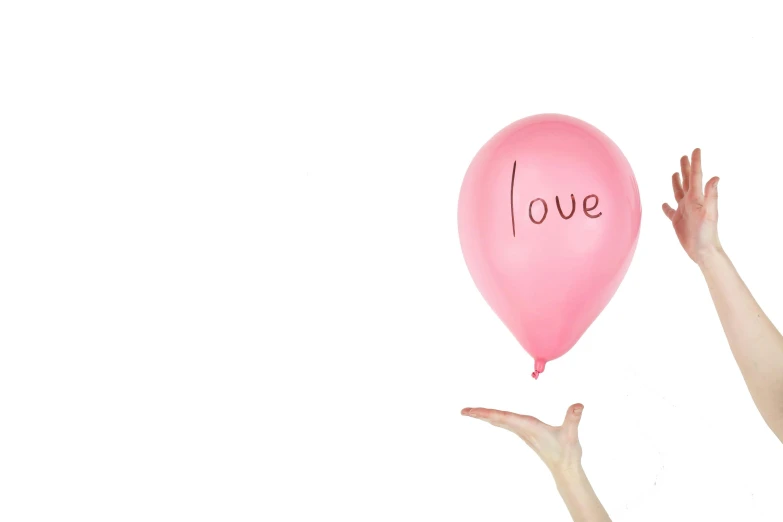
(588, 210)
(513, 224)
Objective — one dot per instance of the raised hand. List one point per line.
(696, 218)
(756, 344)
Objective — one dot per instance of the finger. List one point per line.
(711, 196)
(572, 418)
(574, 414)
(685, 167)
(677, 187)
(669, 211)
(696, 175)
(503, 419)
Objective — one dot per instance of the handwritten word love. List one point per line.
(588, 210)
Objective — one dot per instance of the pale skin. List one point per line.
(756, 344)
(559, 448)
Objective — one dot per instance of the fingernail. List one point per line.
(578, 410)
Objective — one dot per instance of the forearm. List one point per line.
(755, 342)
(579, 497)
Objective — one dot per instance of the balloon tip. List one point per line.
(539, 369)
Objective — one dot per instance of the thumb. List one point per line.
(711, 198)
(711, 191)
(572, 418)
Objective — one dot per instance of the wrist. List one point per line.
(569, 475)
(709, 256)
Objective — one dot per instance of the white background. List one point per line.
(231, 286)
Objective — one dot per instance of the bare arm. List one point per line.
(579, 497)
(755, 342)
(559, 448)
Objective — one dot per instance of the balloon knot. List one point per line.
(539, 368)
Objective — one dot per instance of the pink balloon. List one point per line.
(549, 217)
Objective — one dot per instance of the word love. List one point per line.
(589, 206)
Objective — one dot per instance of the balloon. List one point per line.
(548, 217)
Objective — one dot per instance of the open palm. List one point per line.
(696, 218)
(558, 446)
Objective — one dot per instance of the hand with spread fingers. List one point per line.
(696, 217)
(559, 448)
(756, 344)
